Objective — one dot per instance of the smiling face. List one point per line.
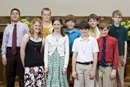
(14, 15)
(104, 32)
(70, 25)
(93, 23)
(57, 25)
(37, 27)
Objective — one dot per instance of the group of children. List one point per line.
(94, 55)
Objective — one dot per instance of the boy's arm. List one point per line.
(93, 71)
(94, 61)
(115, 55)
(74, 58)
(115, 62)
(125, 53)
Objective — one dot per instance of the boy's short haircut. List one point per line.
(45, 9)
(93, 16)
(84, 25)
(104, 25)
(70, 17)
(16, 10)
(116, 13)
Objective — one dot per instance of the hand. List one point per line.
(92, 74)
(64, 70)
(4, 61)
(113, 74)
(46, 71)
(123, 61)
(74, 74)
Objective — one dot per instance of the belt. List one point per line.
(106, 65)
(10, 48)
(85, 63)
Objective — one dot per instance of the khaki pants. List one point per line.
(120, 74)
(83, 72)
(104, 77)
(95, 79)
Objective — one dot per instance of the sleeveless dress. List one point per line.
(34, 72)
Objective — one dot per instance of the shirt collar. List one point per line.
(81, 39)
(73, 31)
(18, 23)
(115, 26)
(105, 36)
(48, 26)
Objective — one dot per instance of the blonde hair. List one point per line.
(31, 30)
(45, 9)
(116, 13)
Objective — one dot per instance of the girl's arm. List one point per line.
(23, 47)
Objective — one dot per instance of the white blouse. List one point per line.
(62, 45)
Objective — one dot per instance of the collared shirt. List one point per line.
(72, 36)
(62, 46)
(112, 53)
(121, 34)
(94, 32)
(47, 30)
(85, 49)
(22, 29)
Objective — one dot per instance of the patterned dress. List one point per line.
(34, 72)
(55, 77)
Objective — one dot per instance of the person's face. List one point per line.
(57, 25)
(93, 23)
(84, 32)
(15, 16)
(46, 15)
(37, 27)
(104, 32)
(117, 19)
(70, 25)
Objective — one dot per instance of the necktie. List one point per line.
(102, 61)
(14, 40)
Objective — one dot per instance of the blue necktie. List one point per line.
(102, 61)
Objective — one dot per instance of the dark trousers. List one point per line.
(14, 63)
(69, 70)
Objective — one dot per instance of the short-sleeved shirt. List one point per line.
(72, 36)
(121, 34)
(85, 48)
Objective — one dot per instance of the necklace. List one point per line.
(35, 38)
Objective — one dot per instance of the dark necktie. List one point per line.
(14, 40)
(102, 61)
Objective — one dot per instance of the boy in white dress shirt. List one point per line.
(84, 60)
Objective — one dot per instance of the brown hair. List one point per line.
(45, 9)
(31, 30)
(57, 18)
(70, 17)
(93, 16)
(116, 13)
(84, 25)
(103, 25)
